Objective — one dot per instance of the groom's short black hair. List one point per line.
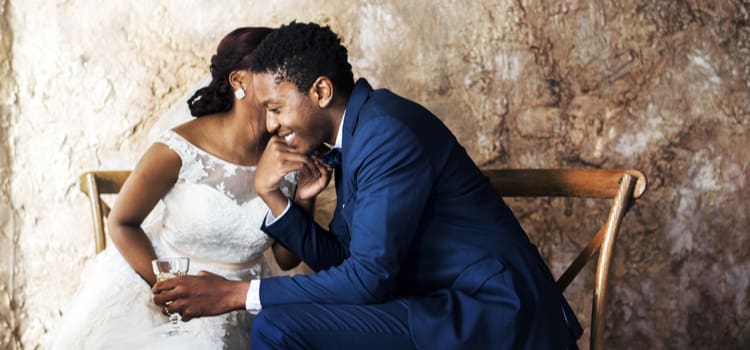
(300, 53)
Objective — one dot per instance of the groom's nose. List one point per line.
(272, 124)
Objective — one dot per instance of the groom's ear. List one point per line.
(321, 92)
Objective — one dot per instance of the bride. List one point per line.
(202, 173)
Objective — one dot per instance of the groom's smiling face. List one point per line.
(291, 114)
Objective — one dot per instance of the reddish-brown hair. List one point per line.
(233, 53)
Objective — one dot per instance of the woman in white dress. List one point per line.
(202, 171)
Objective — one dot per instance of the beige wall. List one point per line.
(658, 86)
(8, 306)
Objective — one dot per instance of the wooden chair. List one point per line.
(622, 186)
(94, 184)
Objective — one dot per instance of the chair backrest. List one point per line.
(94, 184)
(623, 187)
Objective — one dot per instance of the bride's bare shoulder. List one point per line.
(198, 130)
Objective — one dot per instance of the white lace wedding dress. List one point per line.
(211, 215)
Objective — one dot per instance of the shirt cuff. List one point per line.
(252, 301)
(270, 219)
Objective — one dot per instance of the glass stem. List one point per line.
(175, 319)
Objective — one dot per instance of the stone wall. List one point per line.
(659, 86)
(8, 305)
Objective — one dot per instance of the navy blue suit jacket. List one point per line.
(416, 219)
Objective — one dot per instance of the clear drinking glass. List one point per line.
(164, 269)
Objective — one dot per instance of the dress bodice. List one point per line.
(212, 213)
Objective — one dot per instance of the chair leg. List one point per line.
(616, 214)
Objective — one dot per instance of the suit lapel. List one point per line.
(360, 93)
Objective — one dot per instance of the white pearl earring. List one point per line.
(239, 93)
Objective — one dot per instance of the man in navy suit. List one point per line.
(421, 251)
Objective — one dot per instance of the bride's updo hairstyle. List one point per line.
(233, 53)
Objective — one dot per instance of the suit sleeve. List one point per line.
(299, 233)
(393, 181)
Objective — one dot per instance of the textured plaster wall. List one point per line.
(8, 305)
(660, 86)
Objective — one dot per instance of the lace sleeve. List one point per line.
(192, 169)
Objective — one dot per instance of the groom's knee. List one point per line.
(272, 329)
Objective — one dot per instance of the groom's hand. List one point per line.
(205, 294)
(310, 184)
(277, 160)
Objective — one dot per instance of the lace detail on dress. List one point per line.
(289, 185)
(234, 181)
(199, 166)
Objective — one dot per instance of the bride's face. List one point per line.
(257, 113)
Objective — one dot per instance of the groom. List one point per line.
(421, 252)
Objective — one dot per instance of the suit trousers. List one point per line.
(333, 326)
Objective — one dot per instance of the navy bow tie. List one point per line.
(333, 158)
